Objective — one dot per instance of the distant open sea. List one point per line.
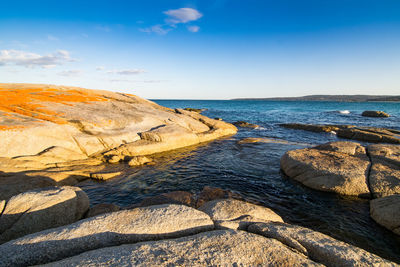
(253, 169)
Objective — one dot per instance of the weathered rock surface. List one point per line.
(216, 248)
(340, 167)
(386, 212)
(319, 247)
(236, 214)
(101, 209)
(384, 177)
(244, 124)
(367, 134)
(111, 229)
(45, 126)
(42, 209)
(138, 161)
(375, 113)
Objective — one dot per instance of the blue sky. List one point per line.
(204, 49)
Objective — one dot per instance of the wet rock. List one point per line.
(210, 193)
(384, 178)
(175, 197)
(386, 212)
(101, 209)
(106, 230)
(244, 124)
(321, 248)
(250, 140)
(337, 167)
(236, 214)
(216, 248)
(374, 113)
(198, 110)
(311, 127)
(138, 161)
(104, 175)
(42, 209)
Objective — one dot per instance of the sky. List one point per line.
(204, 49)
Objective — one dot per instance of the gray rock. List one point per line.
(2, 205)
(386, 212)
(111, 229)
(101, 209)
(42, 209)
(236, 214)
(216, 248)
(374, 113)
(321, 248)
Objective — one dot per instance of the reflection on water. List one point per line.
(253, 171)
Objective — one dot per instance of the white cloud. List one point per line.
(70, 73)
(127, 72)
(31, 60)
(99, 68)
(193, 28)
(182, 15)
(159, 29)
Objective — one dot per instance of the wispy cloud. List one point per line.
(174, 17)
(52, 38)
(70, 73)
(127, 72)
(99, 68)
(31, 60)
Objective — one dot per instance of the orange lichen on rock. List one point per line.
(30, 102)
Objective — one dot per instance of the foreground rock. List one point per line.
(386, 212)
(43, 127)
(38, 210)
(319, 247)
(236, 214)
(340, 167)
(216, 248)
(111, 229)
(374, 113)
(367, 134)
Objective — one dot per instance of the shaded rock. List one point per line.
(374, 113)
(384, 178)
(210, 193)
(104, 175)
(311, 127)
(236, 214)
(175, 197)
(216, 248)
(386, 212)
(101, 209)
(320, 248)
(218, 119)
(138, 161)
(323, 168)
(198, 110)
(106, 230)
(244, 124)
(2, 206)
(42, 209)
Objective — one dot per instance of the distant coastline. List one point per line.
(339, 98)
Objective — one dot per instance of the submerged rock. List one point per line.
(386, 212)
(104, 175)
(174, 197)
(374, 113)
(138, 161)
(198, 110)
(42, 209)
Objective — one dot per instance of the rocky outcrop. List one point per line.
(319, 247)
(198, 110)
(245, 124)
(367, 134)
(101, 209)
(340, 167)
(374, 113)
(386, 212)
(216, 248)
(41, 209)
(236, 214)
(107, 230)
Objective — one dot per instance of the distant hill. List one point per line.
(339, 98)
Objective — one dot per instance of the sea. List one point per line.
(253, 169)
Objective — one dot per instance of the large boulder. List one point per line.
(319, 247)
(237, 214)
(375, 113)
(340, 167)
(106, 230)
(384, 178)
(386, 212)
(42, 209)
(216, 248)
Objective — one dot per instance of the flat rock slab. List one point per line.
(384, 177)
(319, 247)
(386, 212)
(111, 229)
(340, 167)
(236, 214)
(215, 248)
(42, 209)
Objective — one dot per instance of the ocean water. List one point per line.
(253, 169)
